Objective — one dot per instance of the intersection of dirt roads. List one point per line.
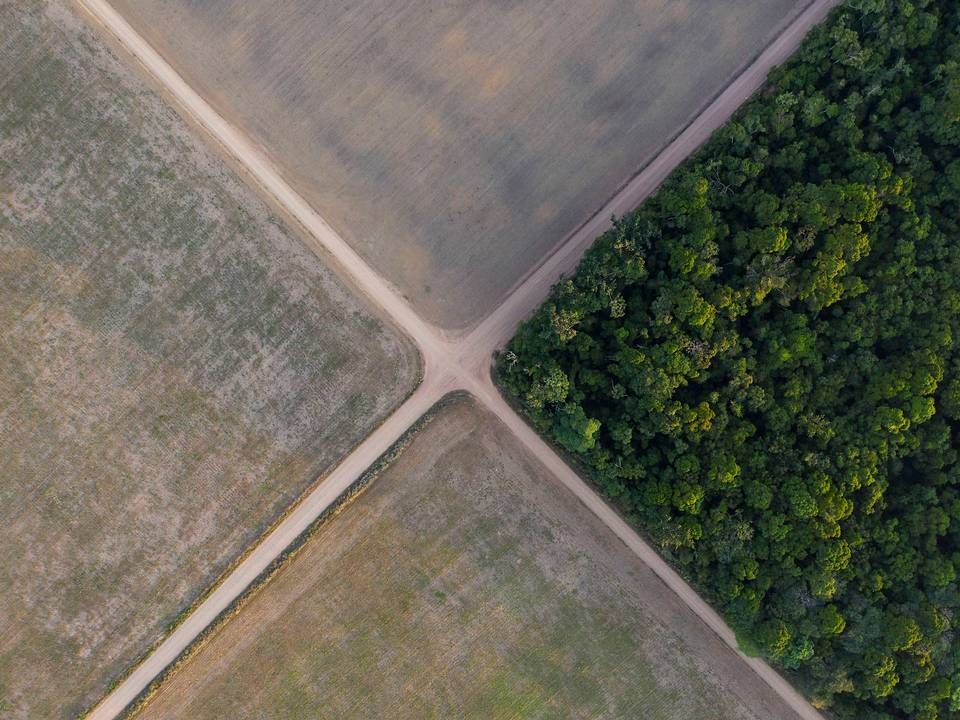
(450, 362)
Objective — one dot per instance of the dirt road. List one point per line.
(450, 363)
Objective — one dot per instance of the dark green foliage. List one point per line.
(762, 364)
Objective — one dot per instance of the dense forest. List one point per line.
(762, 365)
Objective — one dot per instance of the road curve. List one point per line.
(449, 363)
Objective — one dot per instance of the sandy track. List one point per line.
(450, 363)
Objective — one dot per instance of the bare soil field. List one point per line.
(454, 144)
(175, 366)
(465, 582)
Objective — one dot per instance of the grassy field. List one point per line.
(454, 144)
(175, 366)
(465, 582)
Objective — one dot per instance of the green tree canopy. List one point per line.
(762, 364)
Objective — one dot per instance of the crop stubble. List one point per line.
(175, 366)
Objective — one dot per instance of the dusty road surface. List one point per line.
(454, 144)
(464, 582)
(450, 364)
(176, 367)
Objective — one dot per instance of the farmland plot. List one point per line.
(465, 582)
(175, 366)
(454, 144)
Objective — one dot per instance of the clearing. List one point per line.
(465, 582)
(455, 144)
(175, 366)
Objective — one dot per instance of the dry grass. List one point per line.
(175, 367)
(465, 582)
(453, 144)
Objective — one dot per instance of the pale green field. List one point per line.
(465, 582)
(454, 143)
(175, 366)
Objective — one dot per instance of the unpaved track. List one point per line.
(450, 363)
